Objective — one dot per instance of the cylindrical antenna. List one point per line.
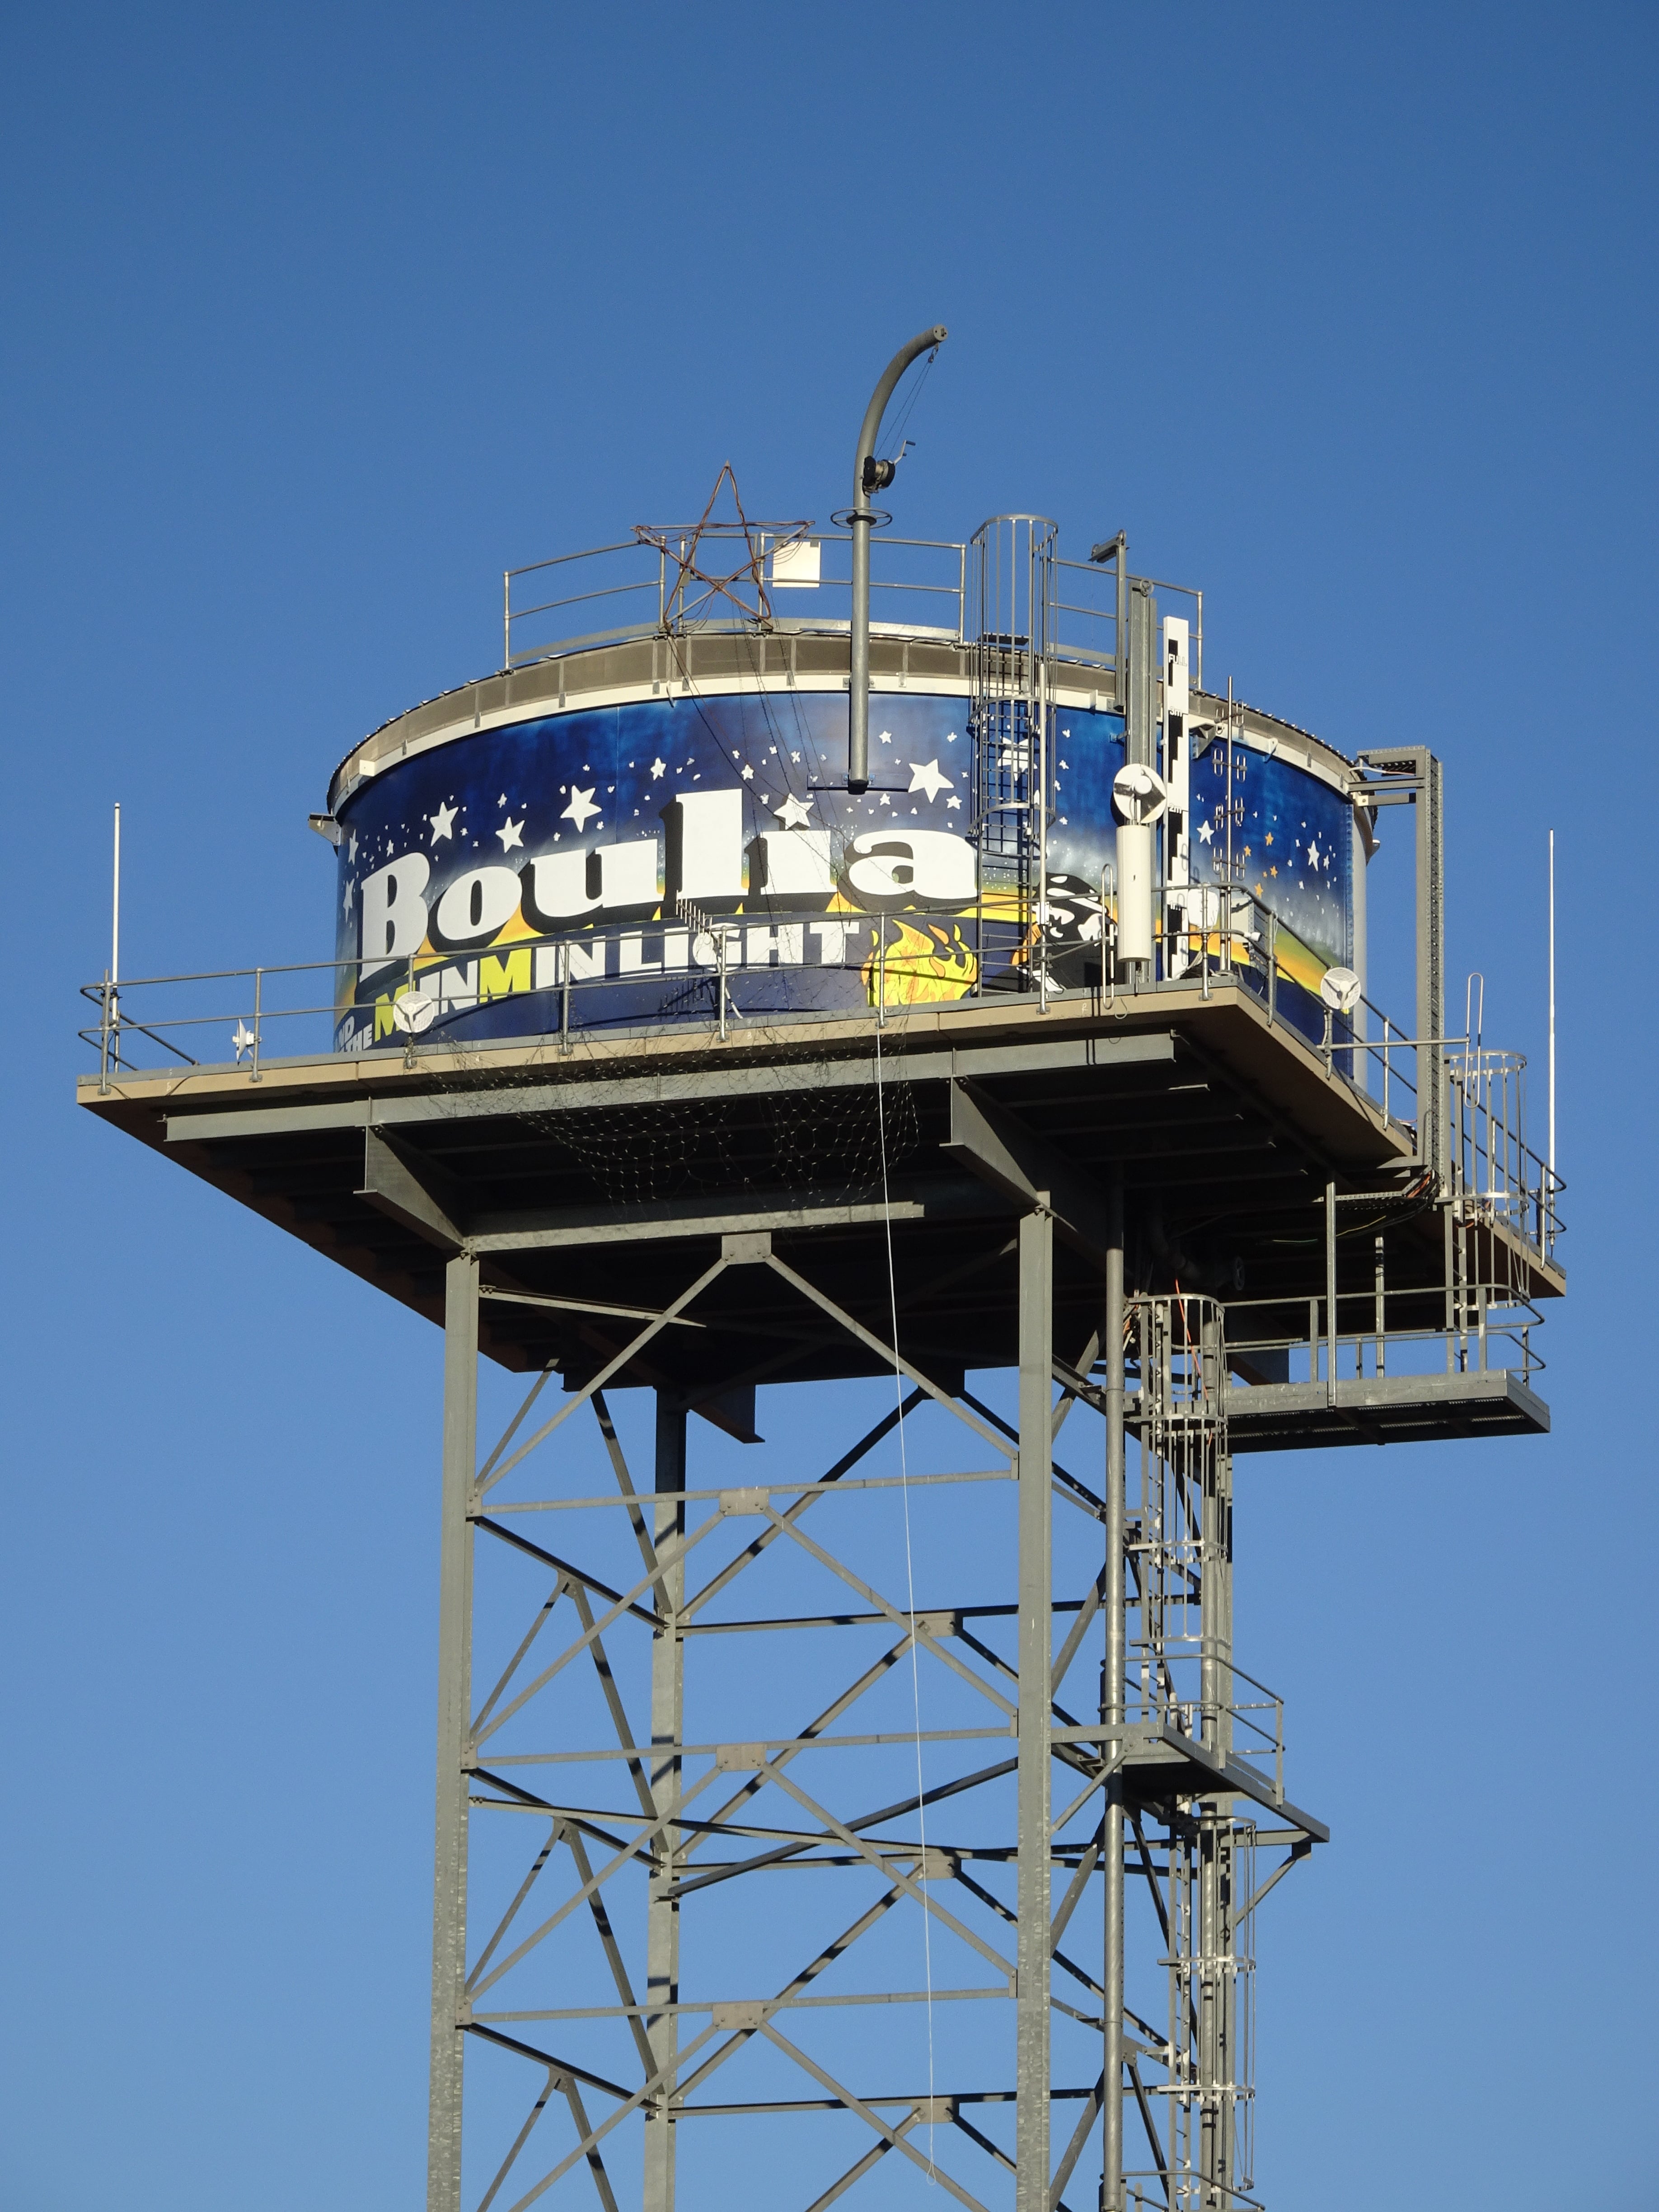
(115, 905)
(1552, 907)
(870, 475)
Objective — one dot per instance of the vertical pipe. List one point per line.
(1112, 1713)
(858, 735)
(1552, 1058)
(1431, 966)
(1330, 1295)
(1228, 787)
(443, 2183)
(1031, 2155)
(1121, 638)
(1212, 1976)
(110, 1030)
(116, 914)
(868, 476)
(667, 1717)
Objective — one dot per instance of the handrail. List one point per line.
(1207, 938)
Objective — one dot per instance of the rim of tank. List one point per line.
(797, 655)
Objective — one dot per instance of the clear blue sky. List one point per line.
(314, 318)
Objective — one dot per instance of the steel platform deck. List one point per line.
(554, 1169)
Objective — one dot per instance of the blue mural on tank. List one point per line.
(611, 866)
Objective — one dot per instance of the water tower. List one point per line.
(871, 990)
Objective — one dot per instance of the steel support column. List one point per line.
(1112, 1717)
(668, 1711)
(1031, 2155)
(1215, 1978)
(460, 1447)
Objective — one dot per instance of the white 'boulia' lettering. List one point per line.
(555, 890)
(775, 948)
(794, 867)
(627, 875)
(475, 905)
(393, 911)
(560, 888)
(705, 847)
(889, 869)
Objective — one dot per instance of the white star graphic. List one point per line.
(657, 768)
(511, 834)
(581, 806)
(953, 802)
(1314, 856)
(501, 801)
(950, 737)
(792, 814)
(749, 775)
(796, 758)
(927, 778)
(346, 902)
(351, 846)
(443, 823)
(885, 800)
(887, 737)
(1206, 832)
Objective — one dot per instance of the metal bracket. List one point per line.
(747, 1248)
(420, 1196)
(1001, 1151)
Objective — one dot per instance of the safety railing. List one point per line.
(1478, 1326)
(1060, 948)
(1083, 613)
(721, 577)
(679, 970)
(1166, 1689)
(687, 968)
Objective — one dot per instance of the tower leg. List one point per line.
(461, 1448)
(1031, 2155)
(1112, 1715)
(668, 1716)
(1213, 1979)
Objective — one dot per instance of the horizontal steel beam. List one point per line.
(577, 1095)
(546, 1230)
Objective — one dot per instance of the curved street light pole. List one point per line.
(870, 475)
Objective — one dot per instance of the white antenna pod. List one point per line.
(1139, 796)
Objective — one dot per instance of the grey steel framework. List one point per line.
(640, 1836)
(905, 1789)
(1181, 1747)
